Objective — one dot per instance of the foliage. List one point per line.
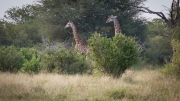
(11, 59)
(90, 16)
(29, 60)
(32, 60)
(174, 67)
(177, 32)
(20, 35)
(113, 56)
(3, 39)
(26, 13)
(48, 17)
(21, 26)
(65, 61)
(158, 49)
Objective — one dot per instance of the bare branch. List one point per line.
(160, 14)
(174, 13)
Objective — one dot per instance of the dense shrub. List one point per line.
(158, 50)
(173, 68)
(65, 61)
(11, 59)
(32, 60)
(113, 56)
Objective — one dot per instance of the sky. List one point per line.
(155, 5)
(158, 6)
(6, 4)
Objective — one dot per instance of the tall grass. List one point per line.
(145, 85)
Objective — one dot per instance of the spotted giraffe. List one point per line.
(81, 44)
(116, 24)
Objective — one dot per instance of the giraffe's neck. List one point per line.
(75, 33)
(117, 26)
(81, 44)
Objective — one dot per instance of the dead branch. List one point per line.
(147, 10)
(174, 13)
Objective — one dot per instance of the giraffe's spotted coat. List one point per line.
(81, 44)
(116, 24)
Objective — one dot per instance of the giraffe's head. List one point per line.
(111, 18)
(69, 24)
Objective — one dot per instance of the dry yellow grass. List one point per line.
(146, 85)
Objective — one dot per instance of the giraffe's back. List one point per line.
(83, 46)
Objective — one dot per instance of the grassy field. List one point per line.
(144, 85)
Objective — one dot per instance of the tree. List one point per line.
(21, 15)
(158, 43)
(3, 39)
(50, 16)
(174, 13)
(22, 26)
(173, 23)
(90, 16)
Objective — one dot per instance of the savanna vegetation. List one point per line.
(38, 60)
(144, 85)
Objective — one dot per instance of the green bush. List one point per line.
(11, 59)
(158, 50)
(173, 68)
(65, 61)
(32, 60)
(113, 56)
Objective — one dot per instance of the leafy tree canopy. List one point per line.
(90, 16)
(48, 17)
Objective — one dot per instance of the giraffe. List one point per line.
(81, 44)
(116, 24)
